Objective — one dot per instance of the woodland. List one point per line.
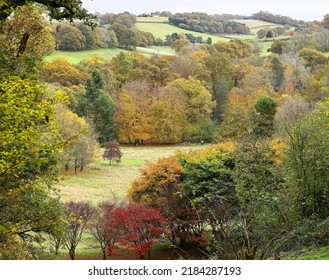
(257, 189)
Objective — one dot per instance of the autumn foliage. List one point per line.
(137, 227)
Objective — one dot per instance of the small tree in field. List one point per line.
(112, 152)
(102, 228)
(77, 215)
(138, 226)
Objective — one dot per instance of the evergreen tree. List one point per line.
(98, 107)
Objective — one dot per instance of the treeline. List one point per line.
(278, 19)
(70, 36)
(204, 23)
(299, 26)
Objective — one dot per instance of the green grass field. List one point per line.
(152, 19)
(265, 47)
(100, 181)
(76, 56)
(160, 30)
(254, 23)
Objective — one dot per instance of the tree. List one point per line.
(199, 104)
(58, 9)
(160, 186)
(216, 73)
(262, 218)
(208, 176)
(277, 73)
(102, 229)
(325, 21)
(85, 151)
(29, 150)
(71, 38)
(60, 70)
(236, 49)
(179, 44)
(98, 107)
(133, 112)
(29, 141)
(105, 38)
(24, 40)
(138, 227)
(77, 215)
(312, 57)
(261, 34)
(168, 116)
(112, 152)
(307, 163)
(277, 46)
(264, 117)
(241, 101)
(87, 32)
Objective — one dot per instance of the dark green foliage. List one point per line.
(87, 32)
(264, 118)
(208, 177)
(256, 175)
(307, 164)
(98, 107)
(209, 41)
(269, 34)
(277, 46)
(260, 189)
(59, 9)
(277, 73)
(69, 37)
(221, 91)
(201, 22)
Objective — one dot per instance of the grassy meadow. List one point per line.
(101, 181)
(160, 30)
(77, 56)
(152, 19)
(255, 23)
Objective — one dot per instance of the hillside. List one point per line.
(255, 23)
(159, 27)
(77, 56)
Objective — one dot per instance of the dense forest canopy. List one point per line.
(202, 22)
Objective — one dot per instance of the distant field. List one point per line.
(101, 181)
(152, 19)
(265, 47)
(254, 23)
(160, 30)
(76, 56)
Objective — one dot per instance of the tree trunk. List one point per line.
(72, 253)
